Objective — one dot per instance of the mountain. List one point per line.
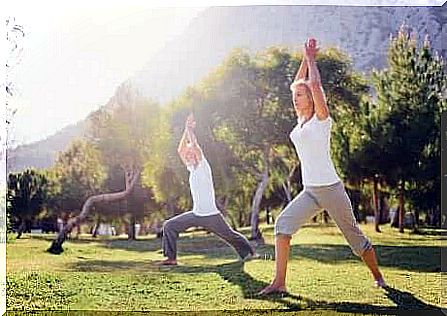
(362, 32)
(42, 154)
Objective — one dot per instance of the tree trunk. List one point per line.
(325, 217)
(416, 221)
(401, 206)
(21, 228)
(287, 185)
(255, 232)
(376, 204)
(56, 245)
(96, 228)
(131, 233)
(78, 231)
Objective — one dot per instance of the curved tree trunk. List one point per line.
(56, 245)
(255, 232)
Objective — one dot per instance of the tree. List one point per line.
(26, 196)
(121, 133)
(245, 114)
(259, 115)
(80, 173)
(425, 189)
(163, 171)
(254, 113)
(402, 132)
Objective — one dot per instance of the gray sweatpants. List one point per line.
(212, 223)
(332, 198)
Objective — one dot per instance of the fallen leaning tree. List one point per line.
(131, 178)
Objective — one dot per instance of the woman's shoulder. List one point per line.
(323, 120)
(322, 117)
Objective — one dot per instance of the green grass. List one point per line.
(323, 274)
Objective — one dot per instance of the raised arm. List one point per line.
(302, 71)
(188, 142)
(321, 108)
(183, 144)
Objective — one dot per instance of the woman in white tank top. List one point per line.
(322, 186)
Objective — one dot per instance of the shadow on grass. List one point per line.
(234, 273)
(412, 258)
(89, 265)
(74, 240)
(434, 231)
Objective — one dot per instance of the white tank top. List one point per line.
(312, 144)
(202, 189)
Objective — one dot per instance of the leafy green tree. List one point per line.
(401, 130)
(244, 114)
(122, 133)
(26, 196)
(80, 172)
(425, 189)
(250, 117)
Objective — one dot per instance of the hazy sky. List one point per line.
(75, 54)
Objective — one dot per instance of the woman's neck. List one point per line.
(305, 114)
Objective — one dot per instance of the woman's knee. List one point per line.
(284, 227)
(168, 226)
(360, 248)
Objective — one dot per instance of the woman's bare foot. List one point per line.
(166, 262)
(273, 289)
(380, 282)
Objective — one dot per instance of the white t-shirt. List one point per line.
(312, 143)
(202, 189)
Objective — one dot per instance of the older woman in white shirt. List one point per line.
(322, 186)
(204, 213)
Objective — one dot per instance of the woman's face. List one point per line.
(301, 99)
(190, 157)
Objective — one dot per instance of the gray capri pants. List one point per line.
(332, 198)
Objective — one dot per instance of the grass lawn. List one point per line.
(323, 274)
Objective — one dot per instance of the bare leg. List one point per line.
(369, 257)
(282, 250)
